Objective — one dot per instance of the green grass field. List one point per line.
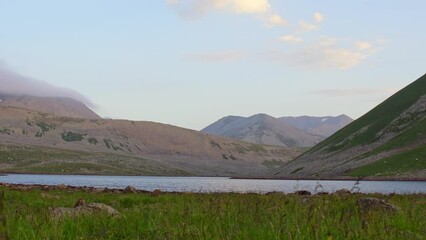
(27, 215)
(409, 161)
(34, 159)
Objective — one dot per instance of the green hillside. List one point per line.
(377, 119)
(411, 160)
(389, 140)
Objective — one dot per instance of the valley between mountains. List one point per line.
(62, 135)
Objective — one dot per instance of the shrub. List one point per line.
(72, 136)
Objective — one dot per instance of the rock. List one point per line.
(81, 208)
(156, 192)
(375, 203)
(95, 190)
(343, 191)
(20, 188)
(98, 208)
(61, 186)
(130, 189)
(322, 193)
(80, 202)
(61, 212)
(303, 193)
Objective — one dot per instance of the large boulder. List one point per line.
(130, 189)
(371, 203)
(81, 208)
(303, 193)
(343, 191)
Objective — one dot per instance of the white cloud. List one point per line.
(276, 20)
(291, 38)
(341, 57)
(360, 45)
(243, 6)
(307, 27)
(14, 83)
(192, 9)
(319, 18)
(322, 55)
(328, 41)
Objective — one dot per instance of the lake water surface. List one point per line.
(216, 184)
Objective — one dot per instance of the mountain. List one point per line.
(60, 106)
(33, 141)
(390, 140)
(321, 126)
(287, 131)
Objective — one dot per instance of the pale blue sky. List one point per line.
(191, 62)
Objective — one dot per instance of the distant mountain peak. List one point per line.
(264, 129)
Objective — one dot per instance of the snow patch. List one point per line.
(324, 119)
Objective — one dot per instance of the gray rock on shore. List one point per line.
(82, 208)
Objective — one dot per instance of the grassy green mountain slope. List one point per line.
(383, 141)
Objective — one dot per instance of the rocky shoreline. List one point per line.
(44, 187)
(156, 192)
(344, 178)
(338, 178)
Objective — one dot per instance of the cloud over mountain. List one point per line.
(14, 83)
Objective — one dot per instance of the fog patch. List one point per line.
(13, 83)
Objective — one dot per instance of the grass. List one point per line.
(109, 144)
(32, 159)
(375, 120)
(257, 148)
(93, 141)
(7, 131)
(401, 163)
(211, 216)
(408, 137)
(24, 155)
(273, 163)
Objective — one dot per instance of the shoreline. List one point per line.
(344, 178)
(131, 189)
(339, 178)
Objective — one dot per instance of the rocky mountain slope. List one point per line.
(60, 106)
(320, 126)
(287, 131)
(388, 140)
(149, 145)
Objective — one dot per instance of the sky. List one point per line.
(191, 62)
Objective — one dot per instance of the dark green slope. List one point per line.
(376, 119)
(396, 126)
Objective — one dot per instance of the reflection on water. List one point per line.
(217, 184)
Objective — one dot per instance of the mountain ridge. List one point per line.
(188, 150)
(265, 129)
(395, 127)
